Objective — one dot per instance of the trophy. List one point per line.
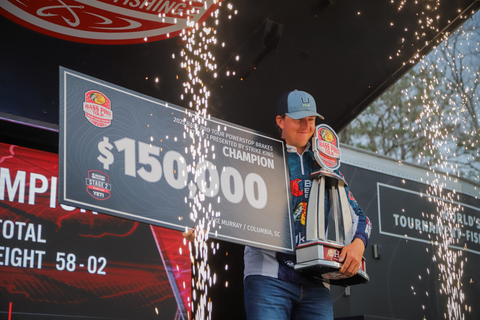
(319, 256)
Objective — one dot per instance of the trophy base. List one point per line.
(320, 259)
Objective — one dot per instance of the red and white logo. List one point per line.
(326, 147)
(98, 109)
(332, 254)
(98, 185)
(108, 21)
(296, 187)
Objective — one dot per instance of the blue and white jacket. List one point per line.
(280, 265)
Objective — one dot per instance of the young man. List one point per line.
(273, 289)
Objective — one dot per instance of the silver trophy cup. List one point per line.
(319, 254)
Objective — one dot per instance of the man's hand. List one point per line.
(189, 234)
(351, 256)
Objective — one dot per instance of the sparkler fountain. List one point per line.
(198, 60)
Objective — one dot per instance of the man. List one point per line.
(273, 289)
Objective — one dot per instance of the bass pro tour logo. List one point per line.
(108, 21)
(98, 185)
(326, 147)
(98, 109)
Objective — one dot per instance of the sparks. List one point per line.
(198, 60)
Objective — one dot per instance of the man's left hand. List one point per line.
(351, 257)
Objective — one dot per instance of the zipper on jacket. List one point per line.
(301, 161)
(294, 150)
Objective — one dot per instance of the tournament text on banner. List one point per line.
(126, 154)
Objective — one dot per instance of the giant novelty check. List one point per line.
(129, 155)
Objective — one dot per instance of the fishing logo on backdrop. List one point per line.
(108, 22)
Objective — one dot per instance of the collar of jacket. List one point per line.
(294, 149)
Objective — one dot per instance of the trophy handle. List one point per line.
(316, 224)
(346, 215)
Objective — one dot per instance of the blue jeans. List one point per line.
(267, 298)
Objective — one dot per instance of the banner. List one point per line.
(412, 215)
(130, 155)
(65, 262)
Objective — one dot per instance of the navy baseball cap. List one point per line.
(297, 105)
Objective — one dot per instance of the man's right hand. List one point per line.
(189, 234)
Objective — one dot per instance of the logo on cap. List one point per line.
(305, 102)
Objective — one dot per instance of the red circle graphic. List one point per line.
(107, 21)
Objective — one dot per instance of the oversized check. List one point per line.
(129, 155)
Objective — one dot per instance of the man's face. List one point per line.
(297, 133)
